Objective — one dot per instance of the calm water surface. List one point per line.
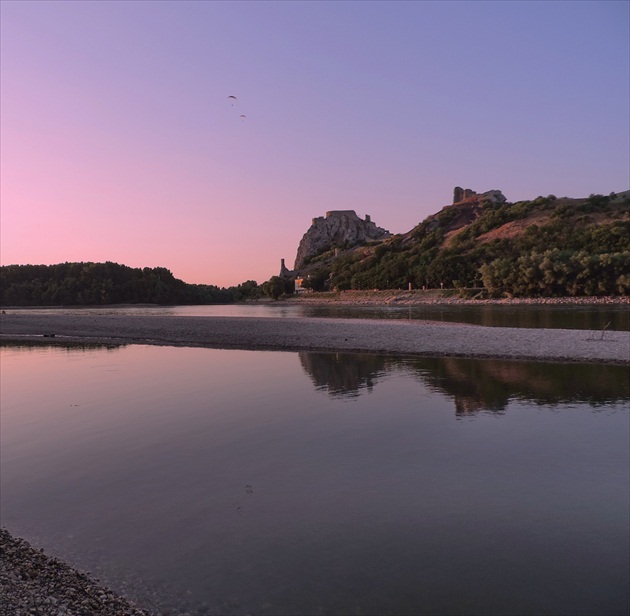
(235, 482)
(614, 316)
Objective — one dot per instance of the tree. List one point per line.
(276, 286)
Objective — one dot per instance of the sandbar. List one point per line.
(412, 337)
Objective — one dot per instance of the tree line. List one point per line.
(70, 284)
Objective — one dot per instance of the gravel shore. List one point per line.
(414, 337)
(31, 583)
(399, 297)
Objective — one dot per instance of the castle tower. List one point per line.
(284, 271)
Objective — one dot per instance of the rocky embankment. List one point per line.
(33, 584)
(438, 296)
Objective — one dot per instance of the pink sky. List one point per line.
(119, 142)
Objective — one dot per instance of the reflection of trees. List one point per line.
(474, 384)
(343, 374)
(490, 384)
(68, 345)
(467, 382)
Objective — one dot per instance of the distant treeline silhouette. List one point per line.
(69, 284)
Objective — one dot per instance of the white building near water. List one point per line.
(299, 288)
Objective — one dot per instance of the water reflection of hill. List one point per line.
(490, 384)
(475, 385)
(343, 374)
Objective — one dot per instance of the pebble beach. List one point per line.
(413, 337)
(32, 583)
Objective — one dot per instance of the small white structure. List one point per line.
(299, 285)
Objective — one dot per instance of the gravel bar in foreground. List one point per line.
(413, 337)
(31, 584)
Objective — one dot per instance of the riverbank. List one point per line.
(33, 583)
(439, 296)
(414, 337)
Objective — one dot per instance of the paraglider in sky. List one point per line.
(233, 101)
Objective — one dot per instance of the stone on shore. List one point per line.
(32, 583)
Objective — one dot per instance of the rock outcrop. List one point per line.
(339, 228)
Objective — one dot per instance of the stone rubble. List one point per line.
(33, 584)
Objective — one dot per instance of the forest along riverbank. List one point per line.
(423, 338)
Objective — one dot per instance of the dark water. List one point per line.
(234, 482)
(613, 317)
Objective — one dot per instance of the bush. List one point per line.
(276, 286)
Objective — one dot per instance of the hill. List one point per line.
(484, 244)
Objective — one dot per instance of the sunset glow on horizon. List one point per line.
(120, 141)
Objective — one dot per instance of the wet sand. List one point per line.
(414, 337)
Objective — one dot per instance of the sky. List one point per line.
(119, 142)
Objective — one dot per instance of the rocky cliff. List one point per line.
(338, 228)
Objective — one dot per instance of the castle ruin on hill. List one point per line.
(344, 229)
(464, 194)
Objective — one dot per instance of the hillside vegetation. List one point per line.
(546, 247)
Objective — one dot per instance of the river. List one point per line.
(245, 482)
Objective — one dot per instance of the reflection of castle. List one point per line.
(475, 385)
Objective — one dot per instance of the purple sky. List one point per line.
(119, 141)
